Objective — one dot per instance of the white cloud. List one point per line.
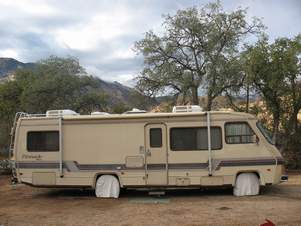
(102, 33)
(100, 28)
(29, 7)
(9, 53)
(126, 53)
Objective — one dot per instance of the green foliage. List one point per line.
(9, 104)
(92, 101)
(199, 47)
(141, 102)
(9, 99)
(274, 70)
(55, 83)
(120, 108)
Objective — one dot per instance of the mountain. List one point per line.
(118, 95)
(9, 65)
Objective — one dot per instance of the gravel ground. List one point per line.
(24, 205)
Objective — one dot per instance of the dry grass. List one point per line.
(23, 205)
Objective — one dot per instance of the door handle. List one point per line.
(148, 153)
(141, 149)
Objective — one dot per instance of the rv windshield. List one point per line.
(266, 133)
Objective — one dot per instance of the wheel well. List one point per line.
(240, 172)
(98, 175)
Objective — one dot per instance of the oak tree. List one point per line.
(198, 47)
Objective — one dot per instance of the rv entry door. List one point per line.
(156, 154)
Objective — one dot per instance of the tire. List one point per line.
(107, 186)
(246, 184)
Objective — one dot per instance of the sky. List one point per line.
(102, 33)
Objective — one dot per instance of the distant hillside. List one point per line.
(116, 93)
(119, 94)
(9, 66)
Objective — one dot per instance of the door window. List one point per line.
(155, 137)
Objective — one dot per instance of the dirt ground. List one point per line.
(24, 205)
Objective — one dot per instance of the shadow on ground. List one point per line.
(128, 193)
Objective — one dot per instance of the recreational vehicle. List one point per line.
(184, 148)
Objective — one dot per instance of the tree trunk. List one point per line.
(248, 99)
(209, 102)
(293, 121)
(184, 96)
(195, 97)
(276, 122)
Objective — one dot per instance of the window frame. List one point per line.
(239, 122)
(262, 129)
(37, 131)
(150, 144)
(196, 127)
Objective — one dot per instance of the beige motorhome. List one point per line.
(163, 150)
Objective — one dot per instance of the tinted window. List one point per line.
(43, 141)
(266, 133)
(188, 139)
(238, 133)
(155, 137)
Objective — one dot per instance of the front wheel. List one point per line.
(107, 186)
(246, 184)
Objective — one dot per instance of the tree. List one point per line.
(58, 83)
(198, 47)
(9, 105)
(120, 108)
(92, 101)
(54, 83)
(288, 59)
(274, 70)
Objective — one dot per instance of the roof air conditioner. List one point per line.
(187, 108)
(135, 111)
(99, 113)
(55, 113)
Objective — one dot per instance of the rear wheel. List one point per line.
(246, 184)
(107, 186)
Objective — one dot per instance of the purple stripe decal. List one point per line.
(171, 166)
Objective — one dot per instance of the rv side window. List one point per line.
(196, 138)
(155, 137)
(38, 141)
(238, 133)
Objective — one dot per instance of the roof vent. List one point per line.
(55, 113)
(99, 113)
(135, 111)
(187, 108)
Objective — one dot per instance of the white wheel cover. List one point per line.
(107, 186)
(246, 184)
